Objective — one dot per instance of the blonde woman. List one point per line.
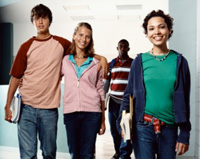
(83, 101)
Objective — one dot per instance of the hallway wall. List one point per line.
(197, 115)
(184, 40)
(106, 35)
(8, 131)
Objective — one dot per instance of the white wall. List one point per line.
(106, 36)
(106, 33)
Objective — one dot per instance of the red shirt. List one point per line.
(118, 78)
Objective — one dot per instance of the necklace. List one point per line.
(158, 58)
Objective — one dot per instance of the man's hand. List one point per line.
(7, 113)
(14, 82)
(104, 65)
(122, 134)
(181, 148)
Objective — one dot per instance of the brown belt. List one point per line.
(156, 122)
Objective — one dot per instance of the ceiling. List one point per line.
(18, 11)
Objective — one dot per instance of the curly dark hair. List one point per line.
(41, 10)
(90, 48)
(168, 19)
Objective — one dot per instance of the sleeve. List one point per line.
(67, 47)
(20, 62)
(185, 128)
(62, 68)
(125, 98)
(184, 135)
(100, 84)
(65, 43)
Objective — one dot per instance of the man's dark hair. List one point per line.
(124, 41)
(41, 10)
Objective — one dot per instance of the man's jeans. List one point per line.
(41, 122)
(148, 143)
(82, 129)
(124, 149)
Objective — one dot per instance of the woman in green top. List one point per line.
(159, 72)
(160, 82)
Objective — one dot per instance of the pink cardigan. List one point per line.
(84, 94)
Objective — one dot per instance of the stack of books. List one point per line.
(15, 108)
(126, 121)
(125, 125)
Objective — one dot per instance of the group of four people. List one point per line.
(158, 79)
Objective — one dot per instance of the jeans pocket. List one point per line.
(143, 124)
(25, 105)
(27, 109)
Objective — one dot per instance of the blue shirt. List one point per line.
(79, 70)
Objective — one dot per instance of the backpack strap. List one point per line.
(131, 60)
(112, 64)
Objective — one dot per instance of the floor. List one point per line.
(104, 146)
(104, 149)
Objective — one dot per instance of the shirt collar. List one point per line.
(128, 58)
(89, 59)
(71, 58)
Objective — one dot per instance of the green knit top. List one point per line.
(159, 81)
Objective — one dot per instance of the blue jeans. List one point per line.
(82, 129)
(149, 144)
(41, 122)
(125, 149)
(121, 147)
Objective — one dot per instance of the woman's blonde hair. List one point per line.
(90, 48)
